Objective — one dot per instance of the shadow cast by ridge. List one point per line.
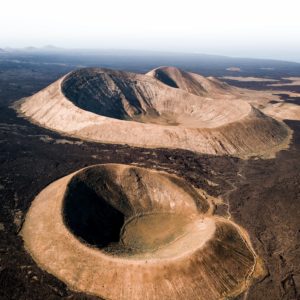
(90, 217)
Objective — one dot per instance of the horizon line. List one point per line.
(54, 48)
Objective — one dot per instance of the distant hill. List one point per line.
(44, 49)
(51, 47)
(30, 48)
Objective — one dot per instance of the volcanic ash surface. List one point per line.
(124, 232)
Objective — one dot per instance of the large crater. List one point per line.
(166, 107)
(125, 211)
(134, 97)
(116, 230)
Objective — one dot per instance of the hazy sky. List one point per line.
(256, 28)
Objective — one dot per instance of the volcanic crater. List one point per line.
(166, 107)
(116, 230)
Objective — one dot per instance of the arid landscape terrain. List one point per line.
(119, 176)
